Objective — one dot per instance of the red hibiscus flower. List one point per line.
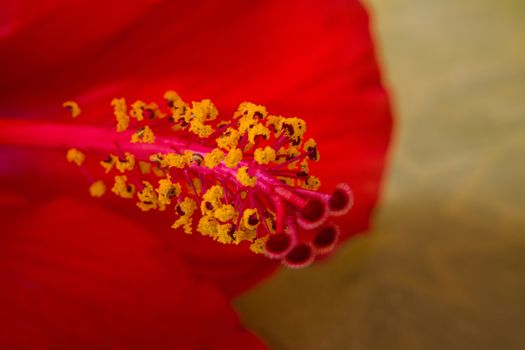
(85, 272)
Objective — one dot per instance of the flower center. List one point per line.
(246, 178)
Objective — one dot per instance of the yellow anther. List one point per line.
(171, 96)
(172, 160)
(186, 222)
(187, 206)
(225, 213)
(250, 219)
(176, 105)
(73, 155)
(122, 189)
(197, 185)
(147, 197)
(246, 123)
(270, 223)
(158, 172)
(229, 139)
(310, 146)
(72, 107)
(251, 110)
(108, 163)
(233, 158)
(121, 113)
(223, 233)
(143, 135)
(203, 111)
(185, 209)
(258, 130)
(125, 163)
(244, 235)
(200, 129)
(214, 158)
(137, 110)
(207, 226)
(258, 245)
(293, 127)
(304, 166)
(245, 179)
(97, 189)
(211, 200)
(167, 190)
(264, 156)
(312, 183)
(274, 122)
(145, 167)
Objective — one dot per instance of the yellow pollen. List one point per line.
(244, 235)
(274, 123)
(264, 156)
(198, 128)
(258, 130)
(108, 163)
(197, 184)
(137, 110)
(158, 172)
(270, 222)
(293, 127)
(250, 219)
(187, 207)
(214, 158)
(145, 167)
(121, 113)
(312, 183)
(73, 155)
(223, 233)
(167, 190)
(258, 245)
(245, 179)
(229, 139)
(225, 213)
(147, 197)
(207, 226)
(204, 110)
(97, 189)
(72, 107)
(251, 110)
(176, 105)
(304, 166)
(122, 189)
(172, 160)
(126, 163)
(311, 144)
(143, 135)
(233, 158)
(211, 200)
(246, 123)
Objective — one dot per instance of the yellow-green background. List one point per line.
(444, 267)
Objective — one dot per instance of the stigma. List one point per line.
(243, 180)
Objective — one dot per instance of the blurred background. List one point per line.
(444, 266)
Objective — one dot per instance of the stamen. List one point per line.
(75, 156)
(97, 189)
(72, 107)
(241, 179)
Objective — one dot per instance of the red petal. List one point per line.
(77, 277)
(307, 58)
